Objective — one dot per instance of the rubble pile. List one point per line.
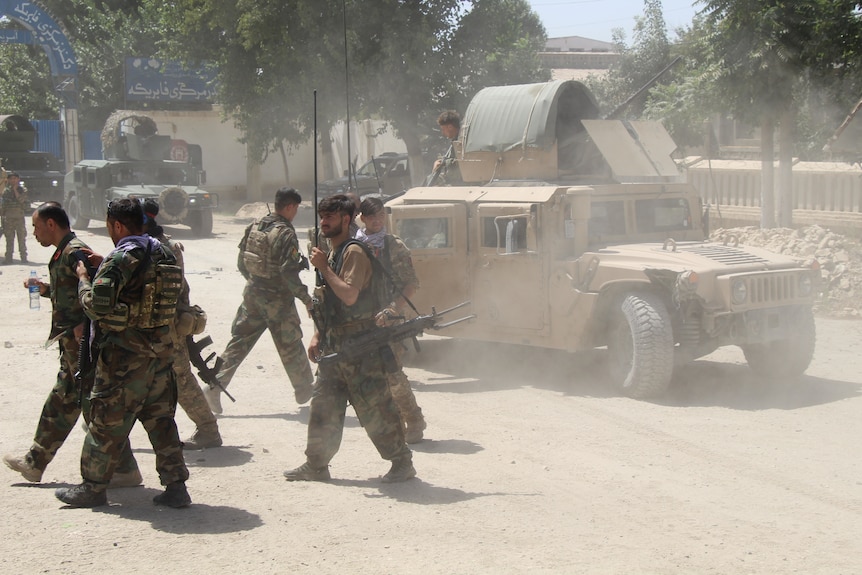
(839, 256)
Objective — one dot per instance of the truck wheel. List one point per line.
(201, 223)
(641, 346)
(784, 358)
(73, 210)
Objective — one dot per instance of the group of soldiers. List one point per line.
(123, 323)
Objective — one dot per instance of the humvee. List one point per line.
(572, 232)
(136, 165)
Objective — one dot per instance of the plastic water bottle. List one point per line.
(33, 286)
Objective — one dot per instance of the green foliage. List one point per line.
(25, 83)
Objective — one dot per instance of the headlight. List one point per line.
(806, 285)
(739, 292)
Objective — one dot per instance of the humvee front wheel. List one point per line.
(786, 358)
(201, 223)
(641, 346)
(73, 210)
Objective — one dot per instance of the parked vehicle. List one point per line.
(136, 165)
(40, 171)
(386, 174)
(572, 233)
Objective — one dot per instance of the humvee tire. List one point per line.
(786, 358)
(640, 346)
(201, 223)
(73, 210)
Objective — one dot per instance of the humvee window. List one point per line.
(607, 219)
(663, 214)
(91, 178)
(78, 176)
(507, 234)
(424, 233)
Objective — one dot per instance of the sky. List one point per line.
(596, 19)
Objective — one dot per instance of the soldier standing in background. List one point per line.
(133, 297)
(189, 393)
(14, 205)
(349, 306)
(270, 261)
(445, 169)
(70, 396)
(395, 257)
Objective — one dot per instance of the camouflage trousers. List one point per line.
(129, 388)
(258, 312)
(15, 227)
(364, 385)
(402, 393)
(61, 411)
(189, 394)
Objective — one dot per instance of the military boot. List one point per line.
(24, 465)
(303, 393)
(86, 494)
(402, 469)
(306, 472)
(175, 495)
(203, 439)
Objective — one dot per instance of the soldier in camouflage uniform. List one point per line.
(133, 297)
(270, 261)
(14, 206)
(69, 397)
(350, 302)
(189, 394)
(395, 257)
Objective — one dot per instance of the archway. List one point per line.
(40, 28)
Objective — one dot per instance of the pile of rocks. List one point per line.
(840, 259)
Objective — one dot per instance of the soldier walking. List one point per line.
(391, 252)
(350, 302)
(14, 205)
(70, 396)
(133, 297)
(270, 261)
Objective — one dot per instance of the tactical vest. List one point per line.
(371, 299)
(257, 256)
(150, 298)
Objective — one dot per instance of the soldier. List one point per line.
(133, 297)
(70, 396)
(270, 261)
(446, 168)
(14, 205)
(189, 394)
(350, 301)
(395, 257)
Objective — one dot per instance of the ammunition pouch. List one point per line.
(192, 321)
(257, 255)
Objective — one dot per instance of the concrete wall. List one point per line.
(226, 161)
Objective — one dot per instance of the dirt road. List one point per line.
(531, 465)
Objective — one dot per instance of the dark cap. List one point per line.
(12, 175)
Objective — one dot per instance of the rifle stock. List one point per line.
(377, 338)
(205, 372)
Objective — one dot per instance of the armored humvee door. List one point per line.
(635, 151)
(436, 235)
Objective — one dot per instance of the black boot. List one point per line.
(84, 495)
(175, 495)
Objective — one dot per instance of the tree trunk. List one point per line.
(785, 168)
(414, 156)
(767, 183)
(284, 162)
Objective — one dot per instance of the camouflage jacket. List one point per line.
(12, 207)
(396, 260)
(119, 268)
(285, 250)
(63, 290)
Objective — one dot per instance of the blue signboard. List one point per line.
(162, 80)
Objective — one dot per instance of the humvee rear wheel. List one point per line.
(786, 358)
(73, 210)
(201, 223)
(641, 346)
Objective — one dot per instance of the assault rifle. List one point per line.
(205, 372)
(361, 344)
(86, 359)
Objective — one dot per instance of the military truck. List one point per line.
(571, 232)
(40, 171)
(136, 165)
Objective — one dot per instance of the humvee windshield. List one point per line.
(608, 219)
(424, 233)
(125, 175)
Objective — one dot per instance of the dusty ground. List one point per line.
(531, 466)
